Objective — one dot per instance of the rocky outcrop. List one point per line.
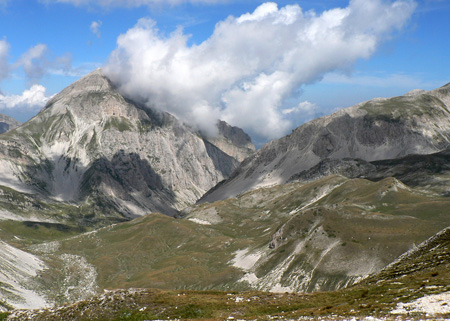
(90, 144)
(430, 172)
(7, 123)
(378, 129)
(233, 141)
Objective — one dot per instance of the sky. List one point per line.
(266, 67)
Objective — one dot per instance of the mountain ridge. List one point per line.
(7, 123)
(381, 128)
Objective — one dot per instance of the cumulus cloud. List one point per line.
(95, 28)
(305, 107)
(130, 3)
(31, 100)
(252, 65)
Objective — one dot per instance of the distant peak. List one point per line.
(95, 81)
(415, 92)
(446, 85)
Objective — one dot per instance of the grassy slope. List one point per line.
(376, 296)
(354, 229)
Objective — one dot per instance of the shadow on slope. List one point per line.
(431, 172)
(127, 184)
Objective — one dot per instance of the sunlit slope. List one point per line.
(414, 288)
(323, 235)
(379, 129)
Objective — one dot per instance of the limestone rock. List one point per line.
(7, 123)
(90, 144)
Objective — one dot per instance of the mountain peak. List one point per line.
(95, 81)
(92, 97)
(233, 141)
(7, 123)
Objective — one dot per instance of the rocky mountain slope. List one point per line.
(7, 123)
(233, 141)
(429, 173)
(92, 146)
(416, 123)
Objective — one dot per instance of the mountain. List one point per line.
(91, 146)
(382, 128)
(7, 123)
(426, 172)
(233, 141)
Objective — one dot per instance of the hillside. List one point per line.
(319, 236)
(407, 289)
(430, 173)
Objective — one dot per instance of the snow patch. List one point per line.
(250, 278)
(245, 261)
(430, 304)
(323, 191)
(17, 269)
(206, 216)
(9, 178)
(7, 215)
(199, 221)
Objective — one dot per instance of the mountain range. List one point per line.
(98, 192)
(382, 128)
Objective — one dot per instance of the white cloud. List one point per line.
(4, 66)
(95, 28)
(32, 99)
(304, 108)
(36, 63)
(130, 3)
(252, 64)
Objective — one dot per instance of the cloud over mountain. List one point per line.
(251, 65)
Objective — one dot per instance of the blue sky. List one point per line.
(395, 47)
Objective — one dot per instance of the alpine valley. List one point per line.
(111, 210)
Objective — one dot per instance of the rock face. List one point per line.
(417, 123)
(427, 172)
(7, 123)
(233, 141)
(90, 144)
